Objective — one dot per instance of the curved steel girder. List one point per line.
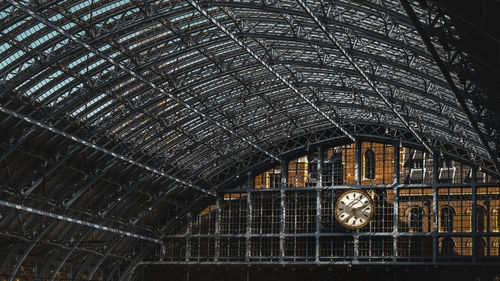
(103, 256)
(150, 18)
(451, 150)
(101, 35)
(133, 264)
(58, 245)
(357, 67)
(446, 74)
(101, 260)
(96, 147)
(112, 271)
(330, 20)
(97, 104)
(82, 268)
(335, 23)
(65, 258)
(210, 63)
(136, 76)
(144, 125)
(361, 108)
(28, 250)
(58, 163)
(376, 109)
(99, 175)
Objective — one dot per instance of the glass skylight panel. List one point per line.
(54, 88)
(88, 104)
(12, 58)
(3, 14)
(41, 40)
(98, 109)
(14, 26)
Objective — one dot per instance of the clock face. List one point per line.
(354, 209)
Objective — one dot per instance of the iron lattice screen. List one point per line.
(428, 209)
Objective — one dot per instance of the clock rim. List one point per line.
(371, 204)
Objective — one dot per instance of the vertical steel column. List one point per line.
(357, 181)
(396, 205)
(474, 211)
(249, 216)
(318, 200)
(188, 237)
(435, 161)
(217, 227)
(357, 163)
(284, 174)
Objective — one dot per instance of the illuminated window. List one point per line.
(446, 219)
(480, 214)
(416, 216)
(369, 164)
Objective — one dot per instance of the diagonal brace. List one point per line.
(138, 76)
(268, 67)
(334, 40)
(77, 221)
(104, 150)
(427, 41)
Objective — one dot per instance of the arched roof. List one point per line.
(188, 94)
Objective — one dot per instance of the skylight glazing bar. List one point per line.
(268, 67)
(361, 72)
(137, 76)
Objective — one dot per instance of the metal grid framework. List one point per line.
(119, 118)
(425, 215)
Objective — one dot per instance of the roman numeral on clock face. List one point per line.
(354, 209)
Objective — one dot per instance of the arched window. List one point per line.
(480, 214)
(446, 219)
(416, 216)
(496, 214)
(369, 164)
(480, 247)
(337, 168)
(447, 246)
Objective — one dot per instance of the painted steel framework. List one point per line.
(112, 108)
(262, 223)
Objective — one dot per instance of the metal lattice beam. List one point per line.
(268, 67)
(102, 149)
(447, 76)
(138, 76)
(77, 221)
(334, 40)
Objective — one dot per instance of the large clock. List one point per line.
(354, 209)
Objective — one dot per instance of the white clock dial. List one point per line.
(354, 209)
